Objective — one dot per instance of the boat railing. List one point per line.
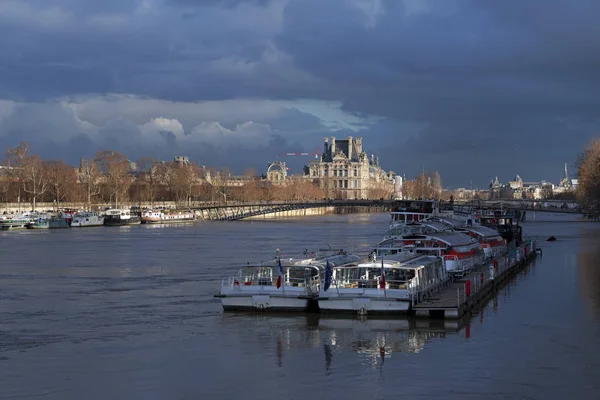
(374, 283)
(267, 281)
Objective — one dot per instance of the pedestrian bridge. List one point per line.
(234, 212)
(238, 211)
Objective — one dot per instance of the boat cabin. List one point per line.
(414, 272)
(405, 211)
(459, 251)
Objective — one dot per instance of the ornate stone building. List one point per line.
(345, 171)
(277, 172)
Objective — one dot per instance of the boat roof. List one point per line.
(453, 222)
(318, 262)
(482, 230)
(453, 238)
(416, 261)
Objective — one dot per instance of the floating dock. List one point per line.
(462, 295)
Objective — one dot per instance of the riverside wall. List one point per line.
(307, 212)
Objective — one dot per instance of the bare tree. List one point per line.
(185, 180)
(115, 168)
(35, 178)
(15, 161)
(588, 164)
(61, 180)
(151, 177)
(90, 176)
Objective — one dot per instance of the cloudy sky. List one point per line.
(472, 88)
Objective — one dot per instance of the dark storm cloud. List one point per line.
(474, 88)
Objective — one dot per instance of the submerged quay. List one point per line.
(464, 294)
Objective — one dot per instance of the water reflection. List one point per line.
(373, 340)
(589, 271)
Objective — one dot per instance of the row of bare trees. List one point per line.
(588, 191)
(108, 179)
(424, 186)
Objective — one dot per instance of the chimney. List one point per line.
(349, 139)
(332, 146)
(325, 147)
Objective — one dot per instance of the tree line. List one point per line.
(108, 179)
(588, 166)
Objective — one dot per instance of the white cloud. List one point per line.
(247, 134)
(373, 10)
(16, 12)
(160, 124)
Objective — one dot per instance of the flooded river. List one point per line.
(129, 313)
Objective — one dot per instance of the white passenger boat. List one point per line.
(87, 218)
(389, 286)
(281, 284)
(165, 217)
(460, 252)
(11, 222)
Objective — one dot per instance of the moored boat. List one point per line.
(14, 222)
(165, 217)
(120, 217)
(460, 252)
(490, 239)
(281, 284)
(53, 222)
(87, 218)
(389, 286)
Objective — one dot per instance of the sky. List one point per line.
(471, 88)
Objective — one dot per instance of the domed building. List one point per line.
(277, 172)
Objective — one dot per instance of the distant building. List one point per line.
(345, 171)
(181, 160)
(277, 172)
(398, 183)
(517, 189)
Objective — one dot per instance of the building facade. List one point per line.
(344, 171)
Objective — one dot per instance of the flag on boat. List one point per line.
(382, 280)
(280, 277)
(328, 274)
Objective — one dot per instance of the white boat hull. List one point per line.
(240, 302)
(364, 305)
(83, 224)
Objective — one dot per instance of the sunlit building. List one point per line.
(344, 171)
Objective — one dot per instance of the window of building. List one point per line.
(355, 184)
(355, 171)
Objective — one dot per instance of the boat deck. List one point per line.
(462, 295)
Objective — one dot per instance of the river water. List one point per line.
(129, 313)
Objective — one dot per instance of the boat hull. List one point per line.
(364, 306)
(78, 224)
(12, 226)
(263, 303)
(134, 220)
(166, 221)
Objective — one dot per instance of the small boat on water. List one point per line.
(281, 284)
(166, 217)
(53, 222)
(87, 218)
(12, 222)
(389, 286)
(121, 217)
